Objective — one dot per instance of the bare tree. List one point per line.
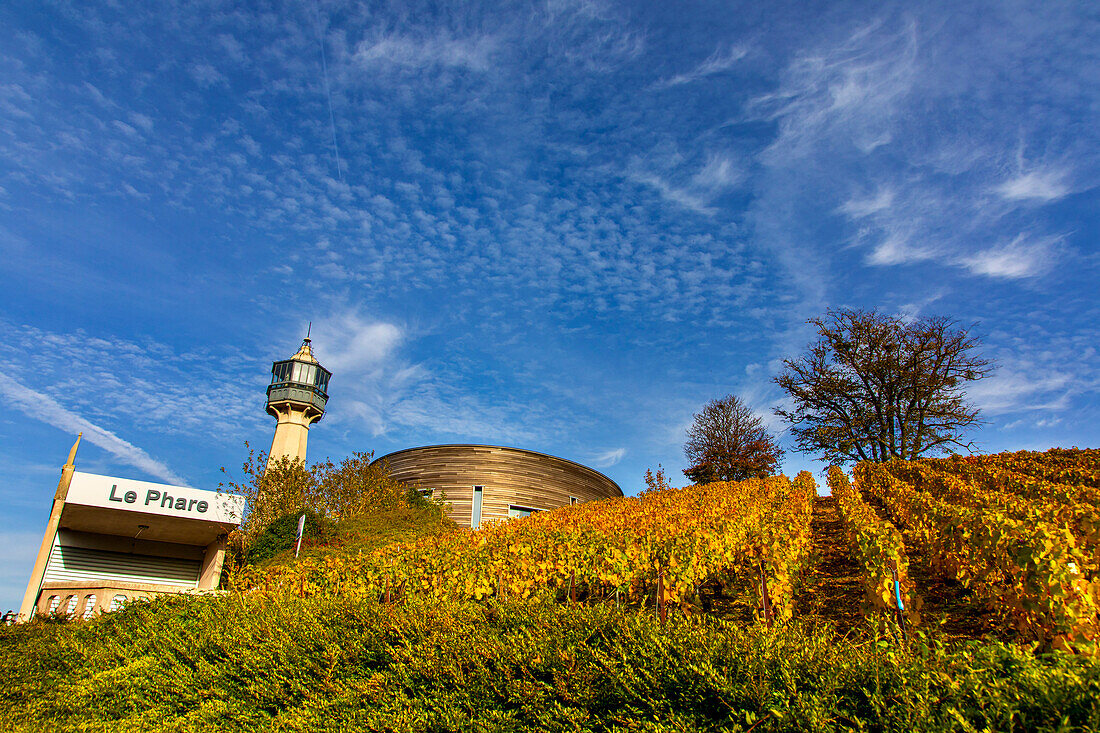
(727, 442)
(874, 387)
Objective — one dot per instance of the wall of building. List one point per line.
(98, 572)
(511, 477)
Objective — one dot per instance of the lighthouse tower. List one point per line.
(296, 398)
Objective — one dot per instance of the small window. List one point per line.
(515, 512)
(475, 507)
(281, 372)
(89, 606)
(55, 601)
(574, 500)
(117, 602)
(70, 605)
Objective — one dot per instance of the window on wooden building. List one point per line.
(475, 508)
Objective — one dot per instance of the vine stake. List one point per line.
(764, 592)
(900, 611)
(662, 607)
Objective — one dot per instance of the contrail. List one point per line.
(328, 92)
(43, 407)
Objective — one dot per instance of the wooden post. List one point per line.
(764, 594)
(662, 608)
(572, 589)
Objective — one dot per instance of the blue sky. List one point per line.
(562, 226)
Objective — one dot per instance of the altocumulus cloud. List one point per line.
(438, 50)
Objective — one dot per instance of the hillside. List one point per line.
(731, 606)
(1003, 545)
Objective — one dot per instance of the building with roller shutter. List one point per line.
(479, 483)
(111, 540)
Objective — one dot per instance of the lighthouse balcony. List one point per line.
(302, 394)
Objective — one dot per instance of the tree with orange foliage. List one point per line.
(728, 442)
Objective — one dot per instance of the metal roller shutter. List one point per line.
(80, 565)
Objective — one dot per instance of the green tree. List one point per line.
(728, 442)
(271, 490)
(874, 387)
(286, 487)
(355, 486)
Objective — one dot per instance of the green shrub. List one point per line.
(282, 534)
(284, 486)
(247, 662)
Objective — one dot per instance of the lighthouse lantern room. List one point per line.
(296, 398)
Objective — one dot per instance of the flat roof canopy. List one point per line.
(121, 507)
(128, 524)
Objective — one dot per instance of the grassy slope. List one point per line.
(242, 662)
(403, 523)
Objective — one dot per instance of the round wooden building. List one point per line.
(487, 482)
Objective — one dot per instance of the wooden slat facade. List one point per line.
(510, 477)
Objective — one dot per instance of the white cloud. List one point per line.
(352, 344)
(1019, 259)
(858, 208)
(849, 94)
(1014, 389)
(441, 50)
(669, 175)
(835, 107)
(897, 250)
(678, 195)
(717, 62)
(720, 171)
(909, 312)
(1036, 185)
(590, 9)
(609, 458)
(44, 408)
(206, 76)
(376, 385)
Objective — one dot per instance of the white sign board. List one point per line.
(144, 496)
